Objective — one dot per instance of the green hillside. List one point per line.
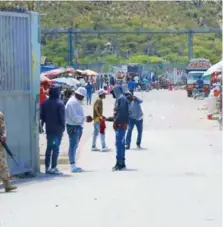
(120, 48)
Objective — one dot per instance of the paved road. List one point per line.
(174, 181)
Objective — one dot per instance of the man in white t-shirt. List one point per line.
(136, 78)
(74, 122)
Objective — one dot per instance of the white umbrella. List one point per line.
(60, 80)
(67, 81)
(72, 82)
(216, 68)
(89, 72)
(78, 71)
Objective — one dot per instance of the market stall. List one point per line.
(216, 68)
(215, 98)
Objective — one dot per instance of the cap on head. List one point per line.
(101, 92)
(81, 91)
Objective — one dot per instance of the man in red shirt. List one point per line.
(43, 91)
(43, 96)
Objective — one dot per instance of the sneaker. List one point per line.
(105, 149)
(47, 171)
(54, 171)
(75, 169)
(119, 167)
(95, 149)
(138, 146)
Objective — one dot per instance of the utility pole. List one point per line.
(75, 44)
(190, 45)
(70, 45)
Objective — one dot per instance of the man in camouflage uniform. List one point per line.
(4, 172)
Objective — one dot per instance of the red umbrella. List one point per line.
(46, 83)
(52, 74)
(70, 70)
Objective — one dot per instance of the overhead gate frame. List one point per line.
(189, 32)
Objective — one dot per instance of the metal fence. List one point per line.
(16, 87)
(14, 53)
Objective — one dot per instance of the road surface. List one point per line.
(175, 181)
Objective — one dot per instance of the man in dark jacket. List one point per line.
(121, 118)
(53, 115)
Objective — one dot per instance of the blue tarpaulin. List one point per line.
(46, 68)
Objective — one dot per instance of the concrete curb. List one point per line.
(61, 160)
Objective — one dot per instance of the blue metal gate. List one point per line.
(16, 97)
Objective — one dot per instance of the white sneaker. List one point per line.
(95, 149)
(75, 169)
(54, 171)
(105, 149)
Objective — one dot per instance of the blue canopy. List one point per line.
(46, 68)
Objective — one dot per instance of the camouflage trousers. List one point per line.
(4, 172)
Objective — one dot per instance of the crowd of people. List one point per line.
(62, 109)
(65, 110)
(58, 115)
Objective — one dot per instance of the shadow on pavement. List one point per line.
(127, 170)
(139, 149)
(41, 177)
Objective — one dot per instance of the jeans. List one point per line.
(89, 96)
(74, 139)
(53, 147)
(40, 128)
(95, 135)
(120, 145)
(139, 126)
(132, 91)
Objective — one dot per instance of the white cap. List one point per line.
(81, 91)
(101, 92)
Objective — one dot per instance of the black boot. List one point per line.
(8, 187)
(119, 166)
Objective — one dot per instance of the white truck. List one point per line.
(196, 69)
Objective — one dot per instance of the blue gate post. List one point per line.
(35, 89)
(70, 47)
(190, 45)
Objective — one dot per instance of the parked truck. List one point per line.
(135, 70)
(195, 69)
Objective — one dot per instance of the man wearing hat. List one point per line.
(74, 122)
(99, 121)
